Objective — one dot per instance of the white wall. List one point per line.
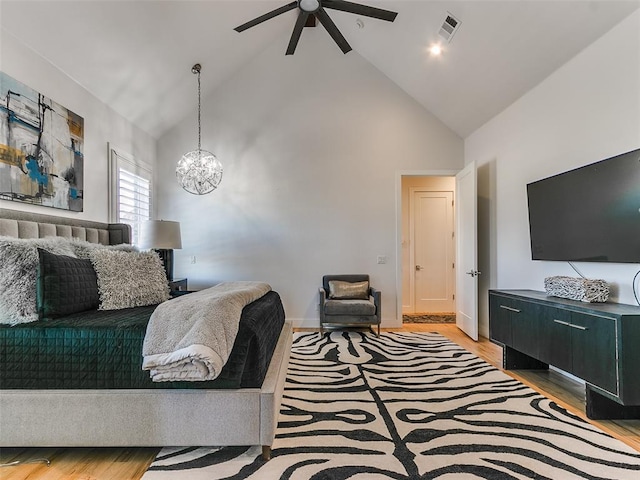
(101, 125)
(586, 111)
(310, 144)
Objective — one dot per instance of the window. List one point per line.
(130, 191)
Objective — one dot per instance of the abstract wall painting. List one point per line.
(41, 149)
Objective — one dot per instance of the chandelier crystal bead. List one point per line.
(199, 171)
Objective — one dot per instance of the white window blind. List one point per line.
(134, 200)
(130, 192)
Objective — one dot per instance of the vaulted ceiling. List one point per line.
(136, 56)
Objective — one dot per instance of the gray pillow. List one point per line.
(65, 285)
(340, 290)
(19, 272)
(83, 249)
(129, 279)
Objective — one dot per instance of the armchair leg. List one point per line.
(373, 330)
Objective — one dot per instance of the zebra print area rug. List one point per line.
(408, 406)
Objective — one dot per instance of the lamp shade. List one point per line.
(160, 234)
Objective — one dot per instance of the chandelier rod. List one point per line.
(196, 69)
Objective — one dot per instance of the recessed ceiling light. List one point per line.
(435, 49)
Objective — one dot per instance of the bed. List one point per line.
(65, 407)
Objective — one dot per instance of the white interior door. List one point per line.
(467, 252)
(433, 251)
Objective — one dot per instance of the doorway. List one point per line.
(428, 248)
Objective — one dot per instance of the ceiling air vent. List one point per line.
(449, 27)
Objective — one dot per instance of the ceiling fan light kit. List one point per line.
(309, 6)
(316, 8)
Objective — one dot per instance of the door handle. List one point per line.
(473, 273)
(418, 267)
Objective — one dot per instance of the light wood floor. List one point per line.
(131, 463)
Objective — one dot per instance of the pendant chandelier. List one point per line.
(199, 171)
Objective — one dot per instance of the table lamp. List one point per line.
(162, 236)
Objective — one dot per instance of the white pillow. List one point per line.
(129, 279)
(19, 272)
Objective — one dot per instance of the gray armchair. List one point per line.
(342, 309)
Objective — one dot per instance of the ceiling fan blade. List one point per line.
(297, 30)
(358, 9)
(266, 16)
(328, 24)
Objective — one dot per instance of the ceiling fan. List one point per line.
(311, 9)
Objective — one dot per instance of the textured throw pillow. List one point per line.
(65, 285)
(129, 279)
(83, 249)
(18, 275)
(340, 290)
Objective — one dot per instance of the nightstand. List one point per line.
(178, 285)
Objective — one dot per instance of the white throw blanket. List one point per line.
(190, 337)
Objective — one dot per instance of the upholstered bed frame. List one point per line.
(105, 418)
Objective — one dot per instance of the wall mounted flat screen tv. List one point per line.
(590, 214)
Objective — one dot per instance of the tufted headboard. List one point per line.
(15, 223)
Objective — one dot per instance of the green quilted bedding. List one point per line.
(100, 349)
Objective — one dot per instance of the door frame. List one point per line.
(399, 175)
